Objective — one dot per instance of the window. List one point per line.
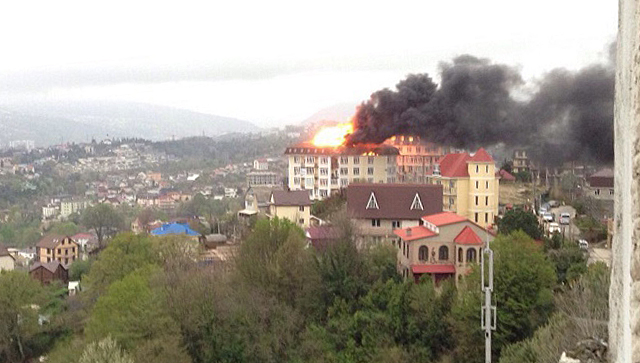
(370, 159)
(301, 208)
(356, 171)
(344, 171)
(296, 159)
(417, 203)
(610, 191)
(323, 160)
(324, 171)
(59, 251)
(597, 192)
(476, 218)
(296, 180)
(391, 159)
(301, 221)
(309, 171)
(423, 253)
(471, 255)
(66, 252)
(486, 185)
(66, 261)
(344, 182)
(476, 200)
(373, 202)
(324, 182)
(460, 256)
(73, 250)
(396, 224)
(369, 171)
(310, 159)
(443, 253)
(477, 168)
(487, 168)
(451, 201)
(375, 223)
(48, 259)
(356, 160)
(344, 160)
(477, 184)
(296, 170)
(486, 218)
(452, 184)
(486, 201)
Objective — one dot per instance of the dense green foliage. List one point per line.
(519, 219)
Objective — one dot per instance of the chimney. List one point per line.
(409, 231)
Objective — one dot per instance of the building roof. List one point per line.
(307, 148)
(393, 201)
(467, 237)
(505, 175)
(322, 232)
(433, 269)
(481, 156)
(443, 218)
(455, 165)
(174, 228)
(290, 198)
(602, 179)
(4, 251)
(51, 266)
(414, 233)
(50, 240)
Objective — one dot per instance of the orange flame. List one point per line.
(333, 136)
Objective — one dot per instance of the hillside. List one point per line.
(51, 123)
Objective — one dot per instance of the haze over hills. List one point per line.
(53, 123)
(341, 112)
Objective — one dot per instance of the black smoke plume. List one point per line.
(569, 116)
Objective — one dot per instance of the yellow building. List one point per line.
(470, 185)
(59, 248)
(323, 170)
(293, 205)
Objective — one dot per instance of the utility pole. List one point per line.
(488, 318)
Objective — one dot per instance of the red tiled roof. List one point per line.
(323, 232)
(433, 269)
(454, 165)
(481, 156)
(467, 237)
(503, 174)
(414, 233)
(444, 218)
(394, 200)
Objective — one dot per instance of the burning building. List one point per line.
(418, 158)
(324, 169)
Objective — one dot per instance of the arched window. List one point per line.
(443, 253)
(423, 253)
(460, 255)
(471, 255)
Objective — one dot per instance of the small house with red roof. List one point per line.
(445, 245)
(470, 185)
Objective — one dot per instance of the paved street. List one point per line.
(599, 255)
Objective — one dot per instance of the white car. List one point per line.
(542, 211)
(583, 244)
(565, 218)
(548, 217)
(554, 227)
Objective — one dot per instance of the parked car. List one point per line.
(565, 218)
(554, 227)
(583, 244)
(542, 211)
(548, 217)
(554, 203)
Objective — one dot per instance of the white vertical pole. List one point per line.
(488, 318)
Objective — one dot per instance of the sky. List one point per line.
(278, 62)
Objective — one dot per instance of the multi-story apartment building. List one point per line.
(262, 179)
(69, 207)
(53, 247)
(417, 158)
(445, 245)
(520, 161)
(470, 185)
(323, 170)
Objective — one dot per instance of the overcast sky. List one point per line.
(278, 62)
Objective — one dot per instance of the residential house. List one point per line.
(7, 261)
(521, 161)
(53, 247)
(262, 179)
(69, 207)
(321, 237)
(261, 164)
(444, 246)
(293, 205)
(86, 241)
(470, 185)
(600, 186)
(379, 209)
(47, 272)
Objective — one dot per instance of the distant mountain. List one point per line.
(52, 123)
(341, 112)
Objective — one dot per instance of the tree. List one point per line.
(519, 219)
(65, 228)
(78, 269)
(104, 220)
(523, 282)
(19, 298)
(106, 350)
(507, 165)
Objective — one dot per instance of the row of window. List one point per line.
(486, 184)
(597, 192)
(477, 217)
(486, 168)
(394, 224)
(343, 159)
(486, 200)
(443, 254)
(66, 260)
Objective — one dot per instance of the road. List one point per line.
(570, 231)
